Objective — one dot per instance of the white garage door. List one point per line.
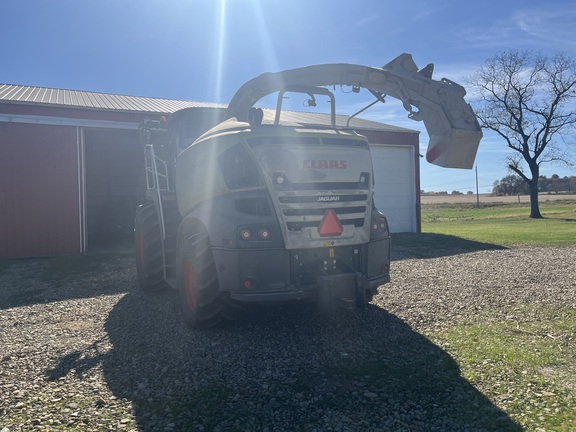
(395, 185)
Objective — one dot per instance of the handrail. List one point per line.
(152, 159)
(311, 91)
(152, 168)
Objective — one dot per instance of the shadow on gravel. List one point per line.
(61, 278)
(429, 245)
(283, 369)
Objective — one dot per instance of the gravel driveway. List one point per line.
(81, 348)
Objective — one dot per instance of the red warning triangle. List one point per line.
(330, 225)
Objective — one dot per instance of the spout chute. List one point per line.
(451, 124)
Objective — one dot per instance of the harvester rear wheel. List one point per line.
(148, 248)
(201, 302)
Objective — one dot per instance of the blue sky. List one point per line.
(204, 50)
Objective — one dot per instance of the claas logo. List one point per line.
(324, 164)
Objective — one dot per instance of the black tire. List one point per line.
(200, 300)
(148, 248)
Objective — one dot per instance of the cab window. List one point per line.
(238, 169)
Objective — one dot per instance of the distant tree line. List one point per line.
(454, 192)
(516, 185)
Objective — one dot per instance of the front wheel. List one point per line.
(200, 300)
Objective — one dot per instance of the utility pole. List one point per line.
(477, 194)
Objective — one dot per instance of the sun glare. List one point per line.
(247, 25)
(264, 37)
(220, 49)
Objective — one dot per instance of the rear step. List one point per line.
(346, 290)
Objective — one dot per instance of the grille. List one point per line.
(307, 209)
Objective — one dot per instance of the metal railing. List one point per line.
(157, 181)
(154, 177)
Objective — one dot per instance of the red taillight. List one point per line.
(247, 283)
(330, 225)
(253, 234)
(378, 226)
(245, 235)
(265, 234)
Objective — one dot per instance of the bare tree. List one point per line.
(528, 99)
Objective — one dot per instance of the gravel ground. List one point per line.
(81, 348)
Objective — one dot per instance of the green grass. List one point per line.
(522, 361)
(504, 224)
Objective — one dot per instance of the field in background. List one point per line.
(487, 198)
(503, 223)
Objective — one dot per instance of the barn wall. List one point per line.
(115, 184)
(39, 197)
(394, 193)
(397, 178)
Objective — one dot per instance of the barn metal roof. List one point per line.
(86, 99)
(31, 95)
